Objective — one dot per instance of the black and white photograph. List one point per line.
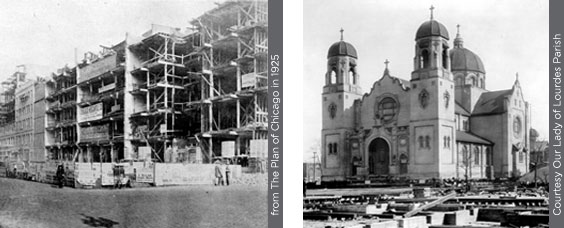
(425, 113)
(138, 113)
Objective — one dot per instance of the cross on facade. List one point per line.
(458, 29)
(432, 8)
(342, 30)
(386, 62)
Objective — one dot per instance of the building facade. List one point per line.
(442, 123)
(60, 121)
(22, 116)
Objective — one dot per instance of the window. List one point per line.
(424, 59)
(333, 76)
(352, 78)
(445, 57)
(421, 143)
(464, 156)
(465, 125)
(446, 141)
(427, 141)
(521, 157)
(332, 148)
(387, 109)
(476, 156)
(335, 148)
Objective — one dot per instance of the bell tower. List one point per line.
(432, 119)
(340, 91)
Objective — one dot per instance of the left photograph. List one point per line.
(134, 114)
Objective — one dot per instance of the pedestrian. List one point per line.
(218, 175)
(60, 175)
(227, 171)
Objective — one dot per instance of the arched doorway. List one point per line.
(378, 157)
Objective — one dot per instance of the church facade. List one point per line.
(442, 123)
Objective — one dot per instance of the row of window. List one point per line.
(19, 140)
(24, 124)
(425, 58)
(472, 81)
(24, 110)
(334, 80)
(332, 148)
(424, 142)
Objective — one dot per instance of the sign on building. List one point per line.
(97, 68)
(92, 112)
(107, 88)
(144, 153)
(248, 80)
(228, 148)
(94, 133)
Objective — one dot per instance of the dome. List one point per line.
(431, 28)
(342, 48)
(464, 59)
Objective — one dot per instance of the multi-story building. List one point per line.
(7, 140)
(101, 84)
(147, 96)
(60, 118)
(21, 116)
(38, 152)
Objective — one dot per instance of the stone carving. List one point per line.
(424, 98)
(446, 98)
(332, 110)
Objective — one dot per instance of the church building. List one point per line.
(442, 123)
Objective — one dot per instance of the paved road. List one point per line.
(31, 204)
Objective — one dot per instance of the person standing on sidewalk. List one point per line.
(218, 175)
(227, 172)
(60, 176)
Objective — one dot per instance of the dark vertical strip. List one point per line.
(555, 114)
(275, 113)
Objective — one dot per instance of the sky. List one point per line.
(46, 33)
(509, 36)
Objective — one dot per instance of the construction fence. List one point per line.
(157, 174)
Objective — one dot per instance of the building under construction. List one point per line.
(60, 129)
(101, 84)
(171, 95)
(206, 87)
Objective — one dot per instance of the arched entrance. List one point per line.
(378, 157)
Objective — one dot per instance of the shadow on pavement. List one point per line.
(98, 222)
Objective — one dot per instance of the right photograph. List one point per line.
(425, 114)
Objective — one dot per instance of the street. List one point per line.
(31, 204)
